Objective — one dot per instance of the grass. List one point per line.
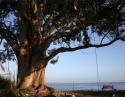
(7, 88)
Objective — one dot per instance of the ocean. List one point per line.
(86, 86)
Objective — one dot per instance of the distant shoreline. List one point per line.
(86, 86)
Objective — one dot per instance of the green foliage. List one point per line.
(53, 61)
(7, 88)
(40, 23)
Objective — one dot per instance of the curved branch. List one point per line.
(63, 49)
(104, 37)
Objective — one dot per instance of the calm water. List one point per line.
(86, 86)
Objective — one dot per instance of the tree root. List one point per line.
(37, 92)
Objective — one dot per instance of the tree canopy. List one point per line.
(69, 25)
(35, 31)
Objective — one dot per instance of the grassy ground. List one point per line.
(7, 88)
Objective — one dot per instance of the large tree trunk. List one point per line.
(31, 74)
(34, 80)
(31, 58)
(31, 63)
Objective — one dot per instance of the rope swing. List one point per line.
(97, 67)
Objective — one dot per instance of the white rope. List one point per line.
(97, 65)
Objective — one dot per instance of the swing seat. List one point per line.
(108, 88)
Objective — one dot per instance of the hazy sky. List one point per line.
(80, 66)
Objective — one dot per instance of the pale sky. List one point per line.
(81, 66)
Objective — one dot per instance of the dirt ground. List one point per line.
(99, 93)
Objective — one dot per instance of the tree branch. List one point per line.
(104, 37)
(10, 38)
(63, 49)
(61, 34)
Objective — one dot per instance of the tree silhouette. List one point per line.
(35, 31)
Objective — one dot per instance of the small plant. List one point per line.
(7, 88)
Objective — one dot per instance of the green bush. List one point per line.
(7, 88)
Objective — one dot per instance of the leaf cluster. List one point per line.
(69, 25)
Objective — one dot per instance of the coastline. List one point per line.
(86, 86)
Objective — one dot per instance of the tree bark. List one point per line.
(35, 80)
(31, 62)
(31, 74)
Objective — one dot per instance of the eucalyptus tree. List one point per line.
(35, 31)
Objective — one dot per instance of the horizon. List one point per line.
(80, 66)
(81, 82)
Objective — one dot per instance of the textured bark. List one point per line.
(33, 80)
(31, 62)
(31, 74)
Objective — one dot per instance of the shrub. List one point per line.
(7, 88)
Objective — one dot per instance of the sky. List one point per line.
(80, 66)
